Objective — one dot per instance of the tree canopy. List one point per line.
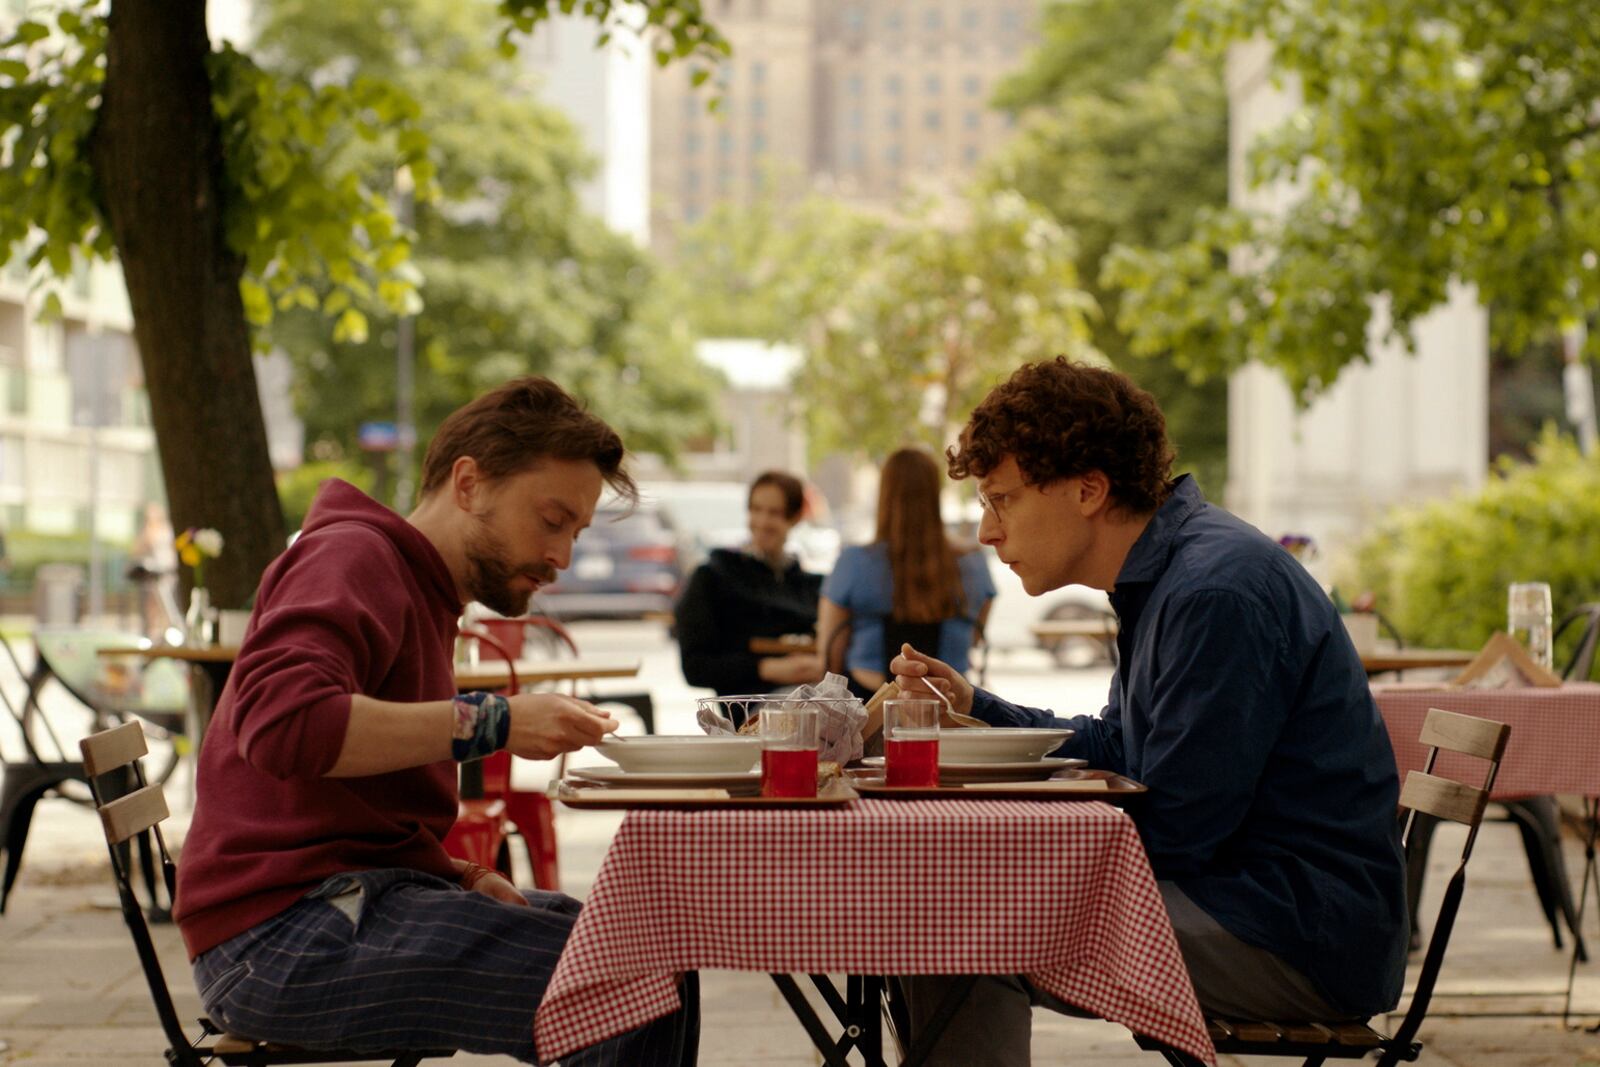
(515, 277)
(1445, 140)
(1123, 140)
(217, 185)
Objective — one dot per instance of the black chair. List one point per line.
(1424, 793)
(24, 784)
(114, 753)
(1581, 665)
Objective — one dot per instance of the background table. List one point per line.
(1407, 659)
(1059, 891)
(1555, 735)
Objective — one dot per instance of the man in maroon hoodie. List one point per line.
(314, 895)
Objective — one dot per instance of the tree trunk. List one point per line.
(157, 158)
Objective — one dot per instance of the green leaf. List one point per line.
(350, 328)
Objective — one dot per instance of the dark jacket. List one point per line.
(732, 597)
(1242, 704)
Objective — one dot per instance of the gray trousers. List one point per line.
(397, 959)
(992, 1028)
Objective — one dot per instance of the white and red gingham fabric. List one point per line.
(1554, 745)
(1061, 892)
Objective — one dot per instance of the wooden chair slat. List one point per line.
(110, 749)
(1257, 1031)
(134, 813)
(1309, 1033)
(229, 1045)
(1443, 798)
(1357, 1035)
(1219, 1030)
(1448, 730)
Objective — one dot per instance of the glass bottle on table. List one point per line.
(1528, 620)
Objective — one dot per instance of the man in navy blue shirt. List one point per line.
(1239, 701)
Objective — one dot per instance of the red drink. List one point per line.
(912, 762)
(788, 772)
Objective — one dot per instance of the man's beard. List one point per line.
(490, 573)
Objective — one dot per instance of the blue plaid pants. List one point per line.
(398, 959)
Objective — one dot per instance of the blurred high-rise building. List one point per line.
(866, 99)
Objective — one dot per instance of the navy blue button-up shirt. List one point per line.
(1241, 703)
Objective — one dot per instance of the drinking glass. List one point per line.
(1528, 619)
(788, 751)
(911, 742)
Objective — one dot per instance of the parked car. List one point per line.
(625, 566)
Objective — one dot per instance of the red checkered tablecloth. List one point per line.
(1554, 745)
(1061, 892)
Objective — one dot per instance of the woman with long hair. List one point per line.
(912, 583)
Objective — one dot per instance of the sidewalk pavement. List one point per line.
(71, 991)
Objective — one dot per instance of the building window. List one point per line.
(854, 19)
(758, 108)
(852, 85)
(691, 143)
(932, 119)
(969, 18)
(932, 85)
(932, 20)
(891, 119)
(1010, 20)
(758, 142)
(969, 154)
(855, 119)
(894, 22)
(932, 157)
(758, 73)
(893, 155)
(973, 85)
(691, 180)
(854, 155)
(725, 142)
(692, 106)
(691, 212)
(971, 119)
(893, 84)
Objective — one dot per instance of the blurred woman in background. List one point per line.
(911, 584)
(755, 591)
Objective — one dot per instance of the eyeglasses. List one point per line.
(995, 503)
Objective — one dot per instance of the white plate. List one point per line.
(745, 782)
(999, 744)
(692, 753)
(1024, 771)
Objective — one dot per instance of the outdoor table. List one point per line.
(1555, 735)
(1554, 749)
(1059, 891)
(777, 646)
(1407, 659)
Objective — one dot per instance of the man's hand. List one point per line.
(476, 878)
(793, 669)
(544, 725)
(915, 672)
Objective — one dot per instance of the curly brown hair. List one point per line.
(1059, 419)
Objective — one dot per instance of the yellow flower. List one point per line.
(188, 553)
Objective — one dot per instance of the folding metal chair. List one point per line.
(138, 814)
(1423, 794)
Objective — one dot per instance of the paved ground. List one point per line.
(71, 991)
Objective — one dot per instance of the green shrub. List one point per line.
(1440, 569)
(27, 551)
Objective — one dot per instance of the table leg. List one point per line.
(831, 1054)
(1591, 873)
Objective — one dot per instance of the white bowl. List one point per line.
(691, 753)
(998, 744)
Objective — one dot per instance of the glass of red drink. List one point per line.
(911, 742)
(788, 751)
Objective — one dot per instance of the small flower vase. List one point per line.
(199, 627)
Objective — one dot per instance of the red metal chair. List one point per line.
(492, 809)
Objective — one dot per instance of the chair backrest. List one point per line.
(1445, 798)
(117, 751)
(1581, 664)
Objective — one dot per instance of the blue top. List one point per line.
(1241, 703)
(863, 584)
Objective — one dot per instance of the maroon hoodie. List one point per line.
(361, 603)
